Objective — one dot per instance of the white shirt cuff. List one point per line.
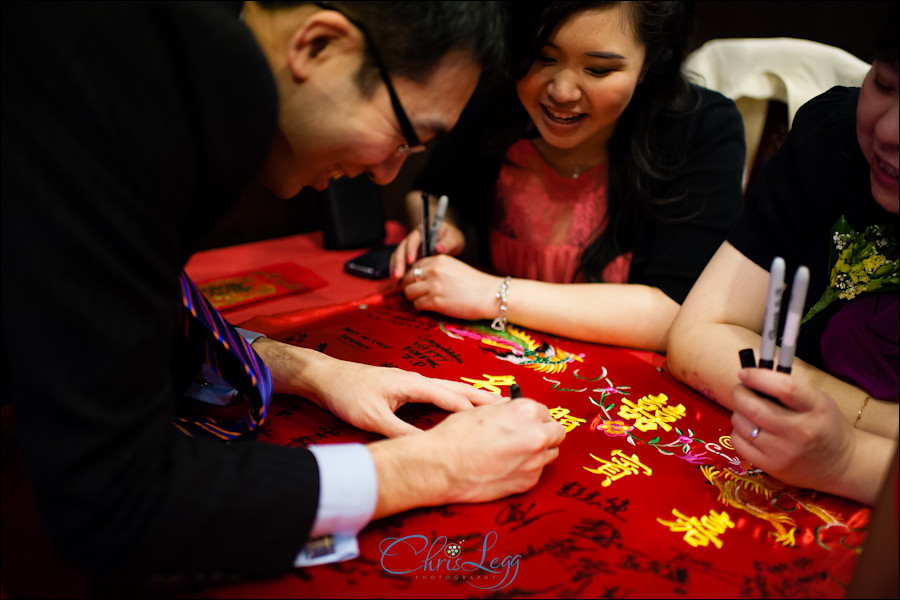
(348, 489)
(249, 336)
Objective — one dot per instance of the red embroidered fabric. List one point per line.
(646, 499)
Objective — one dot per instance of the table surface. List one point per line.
(647, 498)
(305, 250)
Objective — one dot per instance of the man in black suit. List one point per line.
(128, 129)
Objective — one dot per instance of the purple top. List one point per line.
(860, 344)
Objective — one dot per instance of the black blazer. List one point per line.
(128, 129)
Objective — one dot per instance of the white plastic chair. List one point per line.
(753, 71)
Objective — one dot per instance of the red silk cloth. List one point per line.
(646, 499)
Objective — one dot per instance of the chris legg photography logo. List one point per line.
(444, 560)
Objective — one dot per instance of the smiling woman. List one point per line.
(579, 85)
(598, 177)
(827, 200)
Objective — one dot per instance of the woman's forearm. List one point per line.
(704, 355)
(628, 315)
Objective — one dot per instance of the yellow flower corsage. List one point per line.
(859, 263)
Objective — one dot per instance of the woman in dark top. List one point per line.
(600, 179)
(831, 191)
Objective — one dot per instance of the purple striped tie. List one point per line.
(229, 355)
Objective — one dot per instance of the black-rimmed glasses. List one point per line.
(413, 144)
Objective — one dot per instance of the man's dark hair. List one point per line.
(413, 37)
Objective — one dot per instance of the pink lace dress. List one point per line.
(543, 221)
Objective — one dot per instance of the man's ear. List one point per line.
(323, 35)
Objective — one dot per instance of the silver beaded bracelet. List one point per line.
(499, 323)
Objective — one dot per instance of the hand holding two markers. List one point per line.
(806, 440)
(770, 322)
(792, 430)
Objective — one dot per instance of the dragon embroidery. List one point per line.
(515, 346)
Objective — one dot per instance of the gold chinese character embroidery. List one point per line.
(492, 383)
(618, 466)
(568, 421)
(700, 531)
(651, 412)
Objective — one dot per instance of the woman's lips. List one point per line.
(889, 170)
(886, 174)
(562, 118)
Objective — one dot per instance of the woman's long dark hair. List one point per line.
(636, 144)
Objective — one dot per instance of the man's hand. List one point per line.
(362, 395)
(473, 456)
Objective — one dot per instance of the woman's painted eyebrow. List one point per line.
(595, 54)
(612, 55)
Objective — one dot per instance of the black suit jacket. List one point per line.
(128, 129)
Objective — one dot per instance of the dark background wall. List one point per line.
(849, 25)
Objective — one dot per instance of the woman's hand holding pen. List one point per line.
(450, 241)
(806, 440)
(449, 286)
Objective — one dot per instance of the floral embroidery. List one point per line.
(611, 428)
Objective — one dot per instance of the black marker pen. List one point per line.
(426, 227)
(748, 361)
(747, 358)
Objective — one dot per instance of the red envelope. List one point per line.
(257, 285)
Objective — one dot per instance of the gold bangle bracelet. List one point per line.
(859, 414)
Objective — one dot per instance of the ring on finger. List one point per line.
(417, 273)
(754, 433)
